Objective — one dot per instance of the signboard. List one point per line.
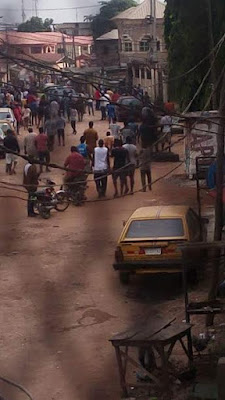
(200, 141)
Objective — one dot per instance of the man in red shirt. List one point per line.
(41, 143)
(97, 96)
(75, 162)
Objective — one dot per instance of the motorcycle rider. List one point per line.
(76, 165)
(30, 182)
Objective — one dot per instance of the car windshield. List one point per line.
(155, 228)
(4, 115)
(128, 102)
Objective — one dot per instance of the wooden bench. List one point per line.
(154, 336)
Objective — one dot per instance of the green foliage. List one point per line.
(187, 41)
(101, 22)
(36, 24)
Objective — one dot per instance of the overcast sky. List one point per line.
(11, 9)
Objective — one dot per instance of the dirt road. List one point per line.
(60, 298)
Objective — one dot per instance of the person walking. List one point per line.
(50, 130)
(90, 105)
(54, 109)
(101, 167)
(121, 157)
(132, 152)
(103, 106)
(29, 143)
(97, 96)
(125, 132)
(18, 116)
(73, 118)
(60, 126)
(30, 182)
(41, 143)
(91, 137)
(26, 115)
(108, 141)
(115, 129)
(111, 112)
(145, 168)
(11, 143)
(166, 129)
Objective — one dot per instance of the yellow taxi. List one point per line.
(149, 242)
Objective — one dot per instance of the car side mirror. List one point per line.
(124, 223)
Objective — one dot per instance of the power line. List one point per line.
(53, 9)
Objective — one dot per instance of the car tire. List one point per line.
(124, 278)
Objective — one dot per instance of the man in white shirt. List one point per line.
(166, 127)
(101, 166)
(104, 101)
(115, 129)
(132, 152)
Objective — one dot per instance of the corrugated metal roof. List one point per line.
(141, 11)
(112, 35)
(25, 38)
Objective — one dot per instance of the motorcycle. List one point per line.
(48, 199)
(75, 192)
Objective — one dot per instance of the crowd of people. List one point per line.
(92, 154)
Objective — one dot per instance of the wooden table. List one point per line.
(154, 336)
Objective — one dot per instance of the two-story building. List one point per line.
(52, 48)
(142, 47)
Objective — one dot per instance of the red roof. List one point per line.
(42, 38)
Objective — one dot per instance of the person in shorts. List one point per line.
(60, 126)
(11, 143)
(41, 143)
(121, 157)
(132, 151)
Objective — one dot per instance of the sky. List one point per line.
(10, 10)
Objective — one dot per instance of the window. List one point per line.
(158, 45)
(35, 50)
(156, 228)
(142, 73)
(144, 45)
(85, 48)
(127, 46)
(149, 74)
(137, 73)
(60, 50)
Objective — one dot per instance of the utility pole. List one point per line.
(219, 199)
(23, 11)
(36, 8)
(74, 50)
(212, 56)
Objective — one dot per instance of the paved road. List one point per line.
(60, 298)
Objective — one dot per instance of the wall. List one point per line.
(107, 53)
(147, 67)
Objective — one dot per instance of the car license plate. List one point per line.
(153, 252)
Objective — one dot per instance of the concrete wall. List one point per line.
(107, 53)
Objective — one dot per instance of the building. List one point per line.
(142, 47)
(51, 48)
(74, 28)
(107, 49)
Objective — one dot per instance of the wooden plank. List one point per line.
(148, 333)
(150, 326)
(172, 332)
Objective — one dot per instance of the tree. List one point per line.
(36, 24)
(187, 41)
(101, 23)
